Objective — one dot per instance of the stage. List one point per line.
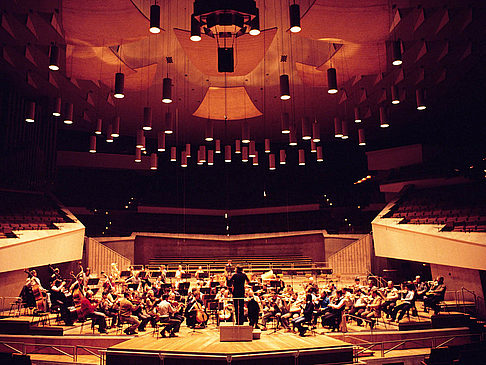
(204, 347)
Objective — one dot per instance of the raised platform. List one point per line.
(205, 348)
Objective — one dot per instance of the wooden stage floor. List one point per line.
(205, 347)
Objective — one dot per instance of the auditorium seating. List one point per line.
(28, 211)
(459, 208)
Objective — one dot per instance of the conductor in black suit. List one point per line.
(237, 282)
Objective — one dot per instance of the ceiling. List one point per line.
(442, 42)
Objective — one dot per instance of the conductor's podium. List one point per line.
(230, 332)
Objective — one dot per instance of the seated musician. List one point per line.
(198, 273)
(115, 273)
(253, 306)
(321, 306)
(108, 308)
(390, 296)
(435, 295)
(61, 297)
(178, 276)
(140, 311)
(167, 313)
(88, 311)
(334, 315)
(373, 309)
(421, 287)
(126, 308)
(306, 315)
(404, 304)
(229, 269)
(193, 303)
(359, 306)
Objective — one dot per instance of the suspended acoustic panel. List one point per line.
(87, 63)
(107, 22)
(238, 104)
(249, 51)
(353, 20)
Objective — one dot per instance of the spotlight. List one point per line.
(167, 90)
(54, 58)
(331, 81)
(396, 53)
(255, 24)
(195, 30)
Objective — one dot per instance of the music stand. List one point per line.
(205, 290)
(93, 281)
(142, 274)
(94, 291)
(137, 267)
(125, 274)
(203, 275)
(214, 284)
(155, 274)
(277, 271)
(170, 274)
(133, 286)
(186, 275)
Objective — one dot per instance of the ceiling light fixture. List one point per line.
(357, 115)
(337, 128)
(147, 118)
(284, 87)
(255, 24)
(301, 157)
(119, 85)
(68, 113)
(331, 81)
(154, 19)
(361, 137)
(57, 107)
(383, 118)
(92, 144)
(395, 98)
(396, 53)
(54, 58)
(30, 112)
(116, 127)
(420, 96)
(195, 30)
(267, 145)
(99, 124)
(167, 90)
(294, 15)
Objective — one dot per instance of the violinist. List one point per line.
(306, 315)
(390, 296)
(88, 311)
(321, 306)
(139, 311)
(126, 309)
(108, 308)
(168, 316)
(178, 276)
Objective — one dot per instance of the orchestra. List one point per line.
(140, 296)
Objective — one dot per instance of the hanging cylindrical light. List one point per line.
(255, 159)
(361, 137)
(138, 155)
(344, 129)
(244, 154)
(320, 156)
(227, 153)
(153, 161)
(267, 145)
(383, 118)
(338, 133)
(57, 107)
(294, 15)
(217, 146)
(183, 159)
(292, 138)
(285, 121)
(154, 19)
(396, 53)
(147, 118)
(237, 146)
(92, 144)
(316, 132)
(313, 147)
(306, 129)
(252, 149)
(271, 161)
(188, 150)
(68, 113)
(419, 95)
(173, 154)
(245, 132)
(144, 147)
(53, 57)
(255, 24)
(301, 157)
(161, 141)
(99, 125)
(119, 85)
(139, 138)
(30, 112)
(109, 132)
(210, 157)
(209, 130)
(167, 90)
(199, 158)
(203, 153)
(195, 29)
(331, 81)
(116, 127)
(395, 98)
(169, 123)
(357, 115)
(283, 156)
(284, 87)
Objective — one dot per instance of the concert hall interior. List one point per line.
(241, 181)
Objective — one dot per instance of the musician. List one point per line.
(107, 306)
(373, 309)
(88, 311)
(197, 275)
(60, 296)
(167, 316)
(253, 306)
(421, 287)
(306, 315)
(405, 304)
(334, 315)
(178, 276)
(115, 273)
(193, 300)
(321, 307)
(435, 295)
(126, 308)
(390, 296)
(140, 312)
(237, 282)
(229, 269)
(359, 306)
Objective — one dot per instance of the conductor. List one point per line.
(237, 282)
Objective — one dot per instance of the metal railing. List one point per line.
(71, 351)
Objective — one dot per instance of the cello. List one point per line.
(201, 315)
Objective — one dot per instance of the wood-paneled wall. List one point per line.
(99, 257)
(354, 258)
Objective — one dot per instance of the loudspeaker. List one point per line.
(226, 62)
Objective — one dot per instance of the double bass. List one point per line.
(40, 301)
